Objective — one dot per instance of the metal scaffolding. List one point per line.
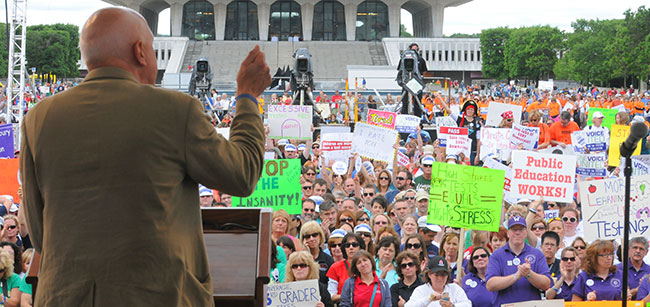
(16, 71)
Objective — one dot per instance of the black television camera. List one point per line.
(201, 80)
(302, 77)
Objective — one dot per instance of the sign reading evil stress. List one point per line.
(278, 188)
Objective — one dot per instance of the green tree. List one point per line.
(4, 53)
(532, 52)
(463, 35)
(586, 55)
(493, 42)
(403, 32)
(53, 48)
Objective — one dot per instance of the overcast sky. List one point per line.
(468, 18)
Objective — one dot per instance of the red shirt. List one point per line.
(339, 272)
(363, 292)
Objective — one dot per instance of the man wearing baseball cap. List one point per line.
(597, 127)
(423, 182)
(517, 271)
(428, 233)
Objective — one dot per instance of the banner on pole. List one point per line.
(374, 142)
(278, 188)
(336, 146)
(543, 175)
(465, 196)
(290, 122)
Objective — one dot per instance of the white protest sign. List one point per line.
(545, 85)
(296, 294)
(459, 143)
(324, 109)
(494, 164)
(578, 141)
(407, 123)
(569, 150)
(495, 109)
(602, 207)
(269, 155)
(336, 146)
(596, 139)
(640, 165)
(402, 159)
(496, 141)
(620, 107)
(543, 175)
(445, 121)
(445, 132)
(374, 142)
(551, 214)
(593, 165)
(290, 122)
(339, 168)
(526, 136)
(334, 129)
(225, 132)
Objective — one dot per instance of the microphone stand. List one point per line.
(626, 227)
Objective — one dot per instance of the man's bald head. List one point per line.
(110, 38)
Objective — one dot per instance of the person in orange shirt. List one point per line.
(483, 108)
(535, 120)
(554, 108)
(561, 131)
(639, 108)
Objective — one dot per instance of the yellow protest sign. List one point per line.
(617, 136)
(466, 196)
(603, 304)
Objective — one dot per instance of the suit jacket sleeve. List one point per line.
(32, 201)
(234, 166)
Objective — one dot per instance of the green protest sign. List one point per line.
(466, 196)
(278, 188)
(610, 116)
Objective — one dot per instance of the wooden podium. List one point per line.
(238, 244)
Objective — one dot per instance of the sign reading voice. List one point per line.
(278, 188)
(466, 196)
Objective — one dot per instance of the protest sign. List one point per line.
(578, 142)
(551, 214)
(407, 123)
(225, 132)
(457, 144)
(526, 136)
(324, 129)
(402, 159)
(324, 109)
(618, 135)
(603, 304)
(382, 118)
(278, 188)
(446, 121)
(465, 196)
(494, 164)
(602, 207)
(290, 122)
(595, 139)
(593, 165)
(640, 165)
(610, 116)
(295, 294)
(6, 141)
(545, 85)
(336, 146)
(569, 150)
(496, 141)
(538, 175)
(9, 177)
(495, 109)
(444, 132)
(374, 142)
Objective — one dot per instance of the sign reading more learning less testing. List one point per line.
(278, 188)
(466, 196)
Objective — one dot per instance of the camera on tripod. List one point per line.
(302, 76)
(408, 76)
(201, 80)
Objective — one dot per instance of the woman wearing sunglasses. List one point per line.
(600, 280)
(474, 282)
(408, 270)
(571, 219)
(438, 290)
(339, 271)
(346, 217)
(301, 267)
(569, 269)
(581, 247)
(384, 183)
(11, 230)
(312, 237)
(415, 244)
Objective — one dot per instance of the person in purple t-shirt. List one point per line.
(474, 282)
(644, 290)
(600, 280)
(637, 269)
(517, 271)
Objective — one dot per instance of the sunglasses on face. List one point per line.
(383, 178)
(346, 220)
(476, 257)
(580, 247)
(381, 223)
(300, 265)
(569, 219)
(413, 246)
(399, 178)
(409, 197)
(363, 219)
(368, 194)
(426, 165)
(315, 147)
(351, 244)
(334, 245)
(307, 187)
(565, 259)
(407, 265)
(308, 210)
(606, 255)
(537, 228)
(552, 205)
(310, 174)
(311, 235)
(365, 234)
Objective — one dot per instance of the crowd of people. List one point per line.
(364, 233)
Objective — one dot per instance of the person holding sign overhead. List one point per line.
(468, 119)
(517, 271)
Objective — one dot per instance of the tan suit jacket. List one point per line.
(110, 171)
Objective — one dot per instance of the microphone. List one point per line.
(637, 131)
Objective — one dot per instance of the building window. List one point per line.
(285, 21)
(241, 21)
(329, 21)
(372, 21)
(198, 20)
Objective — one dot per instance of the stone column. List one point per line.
(176, 15)
(437, 19)
(351, 21)
(307, 15)
(219, 21)
(263, 14)
(394, 18)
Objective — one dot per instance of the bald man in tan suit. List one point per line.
(110, 172)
